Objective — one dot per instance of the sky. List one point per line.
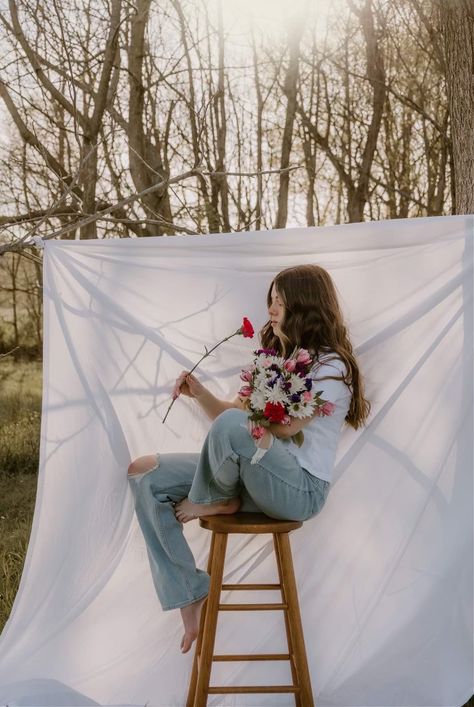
(272, 17)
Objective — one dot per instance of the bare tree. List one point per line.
(457, 24)
(147, 158)
(289, 89)
(89, 119)
(124, 131)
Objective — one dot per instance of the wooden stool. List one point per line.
(221, 526)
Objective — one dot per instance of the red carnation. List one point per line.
(247, 328)
(275, 412)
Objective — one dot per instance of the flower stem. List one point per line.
(202, 359)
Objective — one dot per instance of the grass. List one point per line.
(20, 414)
(20, 410)
(17, 502)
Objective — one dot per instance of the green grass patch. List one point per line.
(20, 416)
(17, 502)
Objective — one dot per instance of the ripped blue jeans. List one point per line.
(277, 486)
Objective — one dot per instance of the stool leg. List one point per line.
(294, 619)
(284, 599)
(197, 652)
(210, 623)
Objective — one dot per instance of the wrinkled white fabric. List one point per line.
(384, 572)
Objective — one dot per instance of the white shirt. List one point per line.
(321, 436)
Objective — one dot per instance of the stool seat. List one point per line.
(199, 684)
(248, 523)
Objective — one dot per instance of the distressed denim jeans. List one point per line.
(276, 486)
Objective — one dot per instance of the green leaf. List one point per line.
(298, 438)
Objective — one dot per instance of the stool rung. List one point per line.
(251, 586)
(255, 656)
(252, 688)
(251, 607)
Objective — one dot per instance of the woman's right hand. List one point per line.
(187, 384)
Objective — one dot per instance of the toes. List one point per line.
(186, 644)
(182, 517)
(178, 510)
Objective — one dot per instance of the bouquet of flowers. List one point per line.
(276, 389)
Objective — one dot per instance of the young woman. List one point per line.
(289, 482)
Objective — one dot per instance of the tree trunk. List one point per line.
(259, 127)
(88, 179)
(376, 76)
(211, 213)
(221, 123)
(146, 165)
(291, 82)
(457, 25)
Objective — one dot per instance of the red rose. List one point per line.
(247, 328)
(275, 412)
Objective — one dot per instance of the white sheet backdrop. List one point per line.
(385, 572)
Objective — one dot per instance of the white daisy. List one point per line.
(261, 379)
(299, 410)
(297, 384)
(279, 360)
(257, 399)
(276, 395)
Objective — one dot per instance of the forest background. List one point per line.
(136, 118)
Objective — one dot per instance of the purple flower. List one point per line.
(308, 383)
(267, 352)
(295, 398)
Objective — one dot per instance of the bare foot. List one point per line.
(191, 615)
(185, 510)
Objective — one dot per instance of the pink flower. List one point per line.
(266, 363)
(307, 396)
(303, 357)
(258, 431)
(286, 420)
(246, 376)
(327, 409)
(245, 391)
(290, 365)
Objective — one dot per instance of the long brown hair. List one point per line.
(313, 320)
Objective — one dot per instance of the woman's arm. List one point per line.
(189, 385)
(213, 406)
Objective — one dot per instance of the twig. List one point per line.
(9, 352)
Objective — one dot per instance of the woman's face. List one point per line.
(276, 311)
